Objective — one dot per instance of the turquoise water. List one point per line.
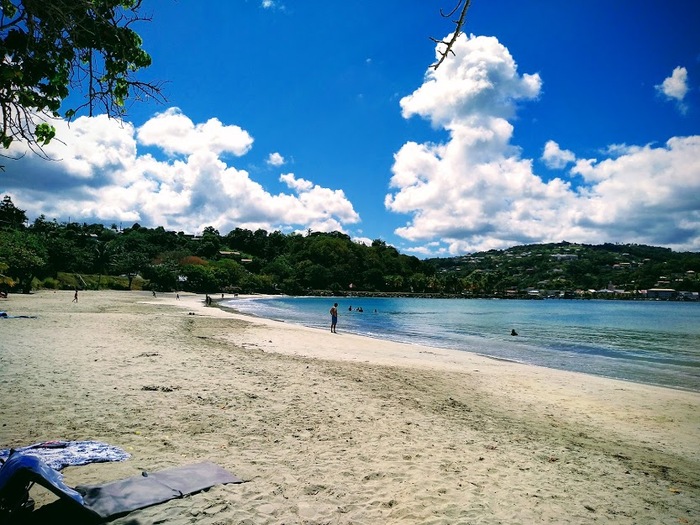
(643, 341)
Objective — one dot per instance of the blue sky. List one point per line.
(575, 121)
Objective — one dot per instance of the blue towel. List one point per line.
(5, 315)
(20, 470)
(60, 454)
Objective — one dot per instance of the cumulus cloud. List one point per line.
(675, 87)
(555, 157)
(475, 191)
(481, 82)
(275, 159)
(100, 175)
(175, 133)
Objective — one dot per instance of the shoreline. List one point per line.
(338, 428)
(380, 337)
(584, 296)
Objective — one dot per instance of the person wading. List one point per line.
(334, 317)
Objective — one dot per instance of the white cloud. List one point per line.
(100, 145)
(272, 4)
(675, 87)
(481, 81)
(363, 240)
(296, 184)
(101, 176)
(475, 191)
(175, 133)
(275, 159)
(555, 157)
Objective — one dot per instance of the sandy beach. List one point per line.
(335, 428)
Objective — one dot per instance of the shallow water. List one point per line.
(650, 342)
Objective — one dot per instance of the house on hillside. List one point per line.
(564, 256)
(661, 293)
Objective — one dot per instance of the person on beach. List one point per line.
(75, 297)
(334, 317)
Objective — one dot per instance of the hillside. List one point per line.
(47, 254)
(566, 269)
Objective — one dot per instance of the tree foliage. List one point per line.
(10, 215)
(319, 263)
(565, 267)
(24, 256)
(52, 48)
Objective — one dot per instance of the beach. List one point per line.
(336, 428)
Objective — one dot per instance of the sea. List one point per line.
(651, 342)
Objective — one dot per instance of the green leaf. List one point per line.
(59, 46)
(8, 9)
(44, 133)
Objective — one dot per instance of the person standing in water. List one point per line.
(334, 317)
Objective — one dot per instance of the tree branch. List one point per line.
(53, 48)
(459, 23)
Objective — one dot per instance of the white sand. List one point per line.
(337, 428)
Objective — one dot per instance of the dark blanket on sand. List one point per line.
(91, 503)
(151, 488)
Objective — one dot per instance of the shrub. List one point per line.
(49, 283)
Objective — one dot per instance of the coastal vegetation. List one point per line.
(48, 254)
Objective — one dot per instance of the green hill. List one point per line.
(69, 255)
(567, 269)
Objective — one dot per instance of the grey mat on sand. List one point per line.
(19, 471)
(151, 488)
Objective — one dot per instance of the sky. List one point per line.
(553, 121)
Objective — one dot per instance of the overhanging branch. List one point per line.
(459, 23)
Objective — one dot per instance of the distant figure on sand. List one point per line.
(513, 332)
(75, 296)
(334, 317)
